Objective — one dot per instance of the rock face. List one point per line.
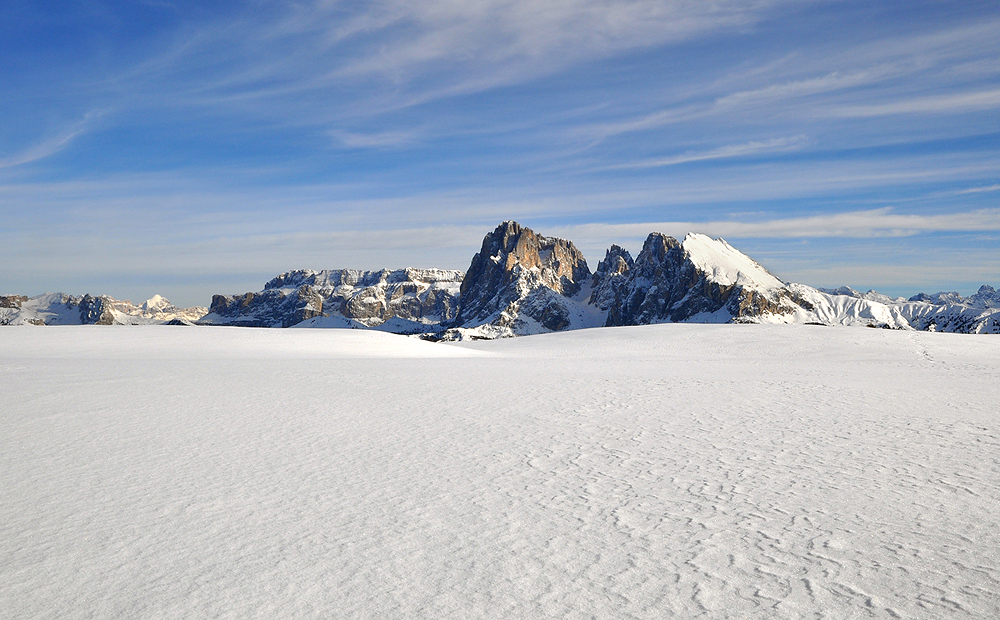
(96, 310)
(520, 282)
(612, 272)
(700, 278)
(12, 301)
(413, 300)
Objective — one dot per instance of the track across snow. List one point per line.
(645, 472)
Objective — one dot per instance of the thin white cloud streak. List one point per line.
(817, 83)
(375, 140)
(949, 104)
(795, 89)
(971, 191)
(775, 145)
(856, 224)
(539, 35)
(408, 53)
(773, 97)
(980, 190)
(195, 202)
(51, 146)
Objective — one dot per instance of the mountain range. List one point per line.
(522, 283)
(61, 309)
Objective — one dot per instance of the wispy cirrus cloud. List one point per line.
(866, 224)
(969, 191)
(864, 80)
(50, 146)
(385, 139)
(774, 145)
(232, 120)
(538, 36)
(980, 190)
(948, 103)
(409, 53)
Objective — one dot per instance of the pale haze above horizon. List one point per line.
(186, 149)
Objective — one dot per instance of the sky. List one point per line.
(191, 148)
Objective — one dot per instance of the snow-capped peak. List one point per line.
(725, 264)
(154, 303)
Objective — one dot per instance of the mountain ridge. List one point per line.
(62, 309)
(521, 283)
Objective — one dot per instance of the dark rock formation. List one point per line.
(269, 308)
(422, 296)
(611, 273)
(665, 285)
(520, 273)
(96, 310)
(12, 301)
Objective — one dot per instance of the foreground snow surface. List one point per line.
(644, 472)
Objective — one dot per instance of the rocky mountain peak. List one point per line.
(560, 265)
(512, 265)
(155, 303)
(611, 271)
(701, 277)
(985, 297)
(616, 261)
(96, 310)
(655, 248)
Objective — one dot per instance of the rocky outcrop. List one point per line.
(519, 283)
(12, 301)
(667, 283)
(269, 308)
(415, 299)
(612, 273)
(95, 310)
(11, 312)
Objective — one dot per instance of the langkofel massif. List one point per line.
(523, 283)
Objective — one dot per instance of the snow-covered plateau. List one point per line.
(654, 471)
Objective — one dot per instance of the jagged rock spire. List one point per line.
(513, 263)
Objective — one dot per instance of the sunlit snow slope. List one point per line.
(643, 472)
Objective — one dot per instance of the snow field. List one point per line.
(645, 472)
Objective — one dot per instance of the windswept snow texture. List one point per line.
(641, 472)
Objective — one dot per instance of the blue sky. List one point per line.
(191, 148)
